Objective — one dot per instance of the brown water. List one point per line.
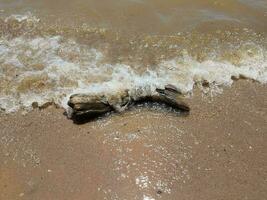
(146, 16)
(51, 49)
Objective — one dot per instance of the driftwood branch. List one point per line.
(92, 106)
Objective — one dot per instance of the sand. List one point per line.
(219, 151)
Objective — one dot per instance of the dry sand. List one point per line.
(219, 151)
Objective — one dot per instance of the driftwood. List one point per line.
(92, 106)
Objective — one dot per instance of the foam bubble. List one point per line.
(50, 69)
(28, 17)
(145, 197)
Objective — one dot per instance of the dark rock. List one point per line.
(35, 105)
(159, 191)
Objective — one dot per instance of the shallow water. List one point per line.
(52, 49)
(152, 16)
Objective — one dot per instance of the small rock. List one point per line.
(159, 192)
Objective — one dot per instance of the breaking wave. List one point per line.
(42, 69)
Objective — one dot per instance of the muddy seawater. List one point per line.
(50, 50)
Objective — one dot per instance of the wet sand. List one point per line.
(217, 152)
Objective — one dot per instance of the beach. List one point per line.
(111, 54)
(218, 151)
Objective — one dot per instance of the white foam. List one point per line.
(20, 18)
(145, 197)
(82, 71)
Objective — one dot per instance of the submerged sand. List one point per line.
(217, 152)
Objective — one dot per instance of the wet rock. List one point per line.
(92, 105)
(35, 105)
(159, 192)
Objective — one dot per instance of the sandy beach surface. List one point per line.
(218, 151)
(50, 50)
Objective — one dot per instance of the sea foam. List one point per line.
(50, 69)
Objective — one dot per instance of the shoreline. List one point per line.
(217, 151)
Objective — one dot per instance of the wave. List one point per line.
(44, 69)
